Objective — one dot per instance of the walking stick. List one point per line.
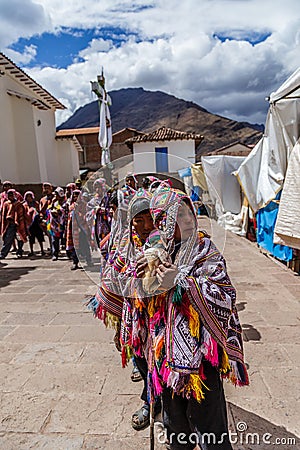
(151, 426)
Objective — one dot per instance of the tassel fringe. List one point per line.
(194, 387)
(126, 355)
(194, 322)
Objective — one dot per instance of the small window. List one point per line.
(161, 158)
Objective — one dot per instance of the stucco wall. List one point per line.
(47, 149)
(68, 162)
(8, 161)
(25, 141)
(29, 152)
(181, 154)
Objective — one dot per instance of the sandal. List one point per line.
(141, 418)
(136, 375)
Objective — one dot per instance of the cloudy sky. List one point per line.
(225, 55)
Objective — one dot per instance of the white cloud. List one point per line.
(95, 46)
(21, 18)
(24, 58)
(172, 46)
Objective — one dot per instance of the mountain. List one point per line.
(148, 110)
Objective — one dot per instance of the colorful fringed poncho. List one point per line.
(194, 321)
(97, 216)
(122, 247)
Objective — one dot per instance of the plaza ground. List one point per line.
(62, 385)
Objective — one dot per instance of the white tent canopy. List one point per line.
(224, 190)
(287, 228)
(289, 89)
(223, 187)
(262, 173)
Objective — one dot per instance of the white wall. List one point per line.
(68, 162)
(8, 161)
(181, 154)
(47, 149)
(25, 141)
(29, 152)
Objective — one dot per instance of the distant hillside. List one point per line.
(147, 111)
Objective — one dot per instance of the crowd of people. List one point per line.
(64, 217)
(163, 287)
(25, 219)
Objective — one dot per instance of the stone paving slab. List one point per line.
(29, 318)
(9, 352)
(55, 441)
(48, 353)
(37, 333)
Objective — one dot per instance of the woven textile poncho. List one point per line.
(97, 212)
(108, 301)
(195, 320)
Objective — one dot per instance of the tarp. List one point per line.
(198, 176)
(266, 218)
(186, 175)
(262, 173)
(287, 228)
(185, 172)
(224, 189)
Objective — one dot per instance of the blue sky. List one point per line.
(225, 55)
(60, 49)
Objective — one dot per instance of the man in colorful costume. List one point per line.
(126, 240)
(194, 335)
(97, 212)
(13, 224)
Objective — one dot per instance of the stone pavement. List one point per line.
(62, 385)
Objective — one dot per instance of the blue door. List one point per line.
(161, 158)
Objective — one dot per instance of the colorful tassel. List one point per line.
(212, 353)
(238, 374)
(173, 379)
(194, 387)
(165, 372)
(225, 365)
(126, 355)
(92, 304)
(156, 383)
(201, 373)
(112, 321)
(101, 313)
(158, 347)
(177, 295)
(151, 308)
(194, 322)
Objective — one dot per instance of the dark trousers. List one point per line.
(204, 423)
(55, 245)
(8, 239)
(142, 365)
(84, 247)
(73, 256)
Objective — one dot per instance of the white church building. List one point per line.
(30, 152)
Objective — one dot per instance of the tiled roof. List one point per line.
(76, 131)
(91, 130)
(44, 99)
(165, 134)
(71, 138)
(128, 129)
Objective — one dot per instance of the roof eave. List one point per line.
(21, 77)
